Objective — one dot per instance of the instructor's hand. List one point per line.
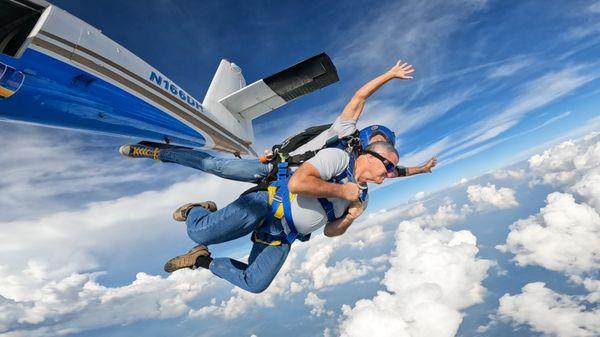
(351, 192)
(429, 165)
(355, 209)
(402, 70)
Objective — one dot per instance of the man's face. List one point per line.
(372, 169)
(381, 138)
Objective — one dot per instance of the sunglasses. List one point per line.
(389, 166)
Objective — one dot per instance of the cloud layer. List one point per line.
(434, 274)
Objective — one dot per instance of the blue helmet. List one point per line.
(369, 132)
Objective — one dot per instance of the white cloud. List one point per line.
(485, 196)
(421, 34)
(564, 236)
(322, 274)
(420, 156)
(56, 163)
(581, 31)
(307, 267)
(46, 277)
(78, 303)
(589, 187)
(445, 214)
(508, 174)
(549, 312)
(399, 119)
(417, 210)
(564, 163)
(533, 95)
(509, 69)
(434, 275)
(317, 304)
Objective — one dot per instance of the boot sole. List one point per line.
(187, 260)
(181, 213)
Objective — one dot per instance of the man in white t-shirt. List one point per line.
(316, 181)
(252, 170)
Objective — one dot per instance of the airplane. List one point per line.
(56, 70)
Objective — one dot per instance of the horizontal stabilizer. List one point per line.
(276, 90)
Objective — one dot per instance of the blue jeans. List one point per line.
(236, 220)
(246, 170)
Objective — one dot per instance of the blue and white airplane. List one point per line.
(59, 71)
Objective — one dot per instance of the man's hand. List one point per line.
(355, 209)
(351, 192)
(429, 165)
(339, 226)
(402, 70)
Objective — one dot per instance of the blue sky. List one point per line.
(484, 70)
(496, 82)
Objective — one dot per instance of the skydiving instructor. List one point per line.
(253, 171)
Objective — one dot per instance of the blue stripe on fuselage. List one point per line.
(58, 94)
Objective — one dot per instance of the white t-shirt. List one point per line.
(307, 212)
(340, 128)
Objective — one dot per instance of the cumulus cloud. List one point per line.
(508, 174)
(317, 304)
(486, 196)
(434, 274)
(308, 267)
(417, 210)
(78, 303)
(446, 213)
(563, 236)
(48, 281)
(589, 187)
(566, 162)
(549, 312)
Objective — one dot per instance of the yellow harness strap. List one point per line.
(279, 213)
(272, 243)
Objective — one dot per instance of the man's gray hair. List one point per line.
(382, 148)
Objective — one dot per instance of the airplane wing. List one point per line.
(58, 71)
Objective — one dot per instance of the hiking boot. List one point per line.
(187, 260)
(181, 213)
(139, 151)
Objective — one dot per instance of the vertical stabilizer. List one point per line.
(228, 79)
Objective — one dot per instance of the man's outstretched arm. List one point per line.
(357, 103)
(409, 171)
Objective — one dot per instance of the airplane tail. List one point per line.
(228, 79)
(229, 97)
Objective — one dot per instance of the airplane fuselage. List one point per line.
(75, 77)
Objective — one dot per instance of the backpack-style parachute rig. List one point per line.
(281, 152)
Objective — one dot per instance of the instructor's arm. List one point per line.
(357, 103)
(339, 226)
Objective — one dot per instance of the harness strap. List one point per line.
(328, 207)
(266, 239)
